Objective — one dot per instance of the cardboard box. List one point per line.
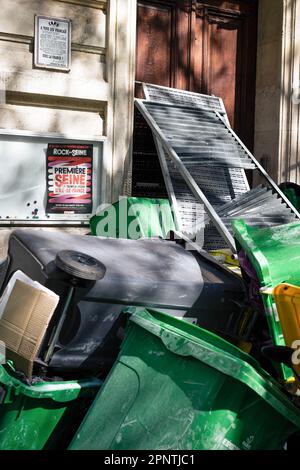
(23, 324)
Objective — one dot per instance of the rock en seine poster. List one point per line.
(69, 179)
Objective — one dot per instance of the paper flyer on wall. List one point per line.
(69, 179)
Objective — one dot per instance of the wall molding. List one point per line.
(89, 49)
(11, 37)
(51, 135)
(86, 48)
(55, 102)
(98, 4)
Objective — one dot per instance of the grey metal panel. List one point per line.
(185, 205)
(215, 184)
(195, 101)
(259, 207)
(263, 172)
(214, 144)
(176, 96)
(194, 147)
(193, 187)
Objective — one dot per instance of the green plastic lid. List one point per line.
(274, 252)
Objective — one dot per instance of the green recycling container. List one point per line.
(178, 387)
(41, 416)
(134, 218)
(274, 254)
(292, 192)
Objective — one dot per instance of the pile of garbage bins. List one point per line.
(137, 336)
(115, 343)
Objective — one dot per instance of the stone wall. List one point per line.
(94, 99)
(50, 101)
(277, 144)
(268, 84)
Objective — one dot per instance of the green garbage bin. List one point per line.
(178, 387)
(134, 218)
(292, 192)
(41, 416)
(274, 254)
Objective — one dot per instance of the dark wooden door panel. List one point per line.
(223, 62)
(204, 46)
(164, 33)
(225, 59)
(154, 44)
(155, 57)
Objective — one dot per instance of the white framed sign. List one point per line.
(52, 43)
(23, 184)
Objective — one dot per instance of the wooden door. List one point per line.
(163, 42)
(224, 58)
(208, 47)
(161, 26)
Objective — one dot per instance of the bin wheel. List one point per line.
(80, 265)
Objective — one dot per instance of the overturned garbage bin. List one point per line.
(146, 273)
(178, 387)
(44, 415)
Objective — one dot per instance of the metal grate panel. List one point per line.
(203, 161)
(175, 96)
(198, 137)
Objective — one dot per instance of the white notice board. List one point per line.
(23, 178)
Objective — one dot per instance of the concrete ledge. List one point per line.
(98, 4)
